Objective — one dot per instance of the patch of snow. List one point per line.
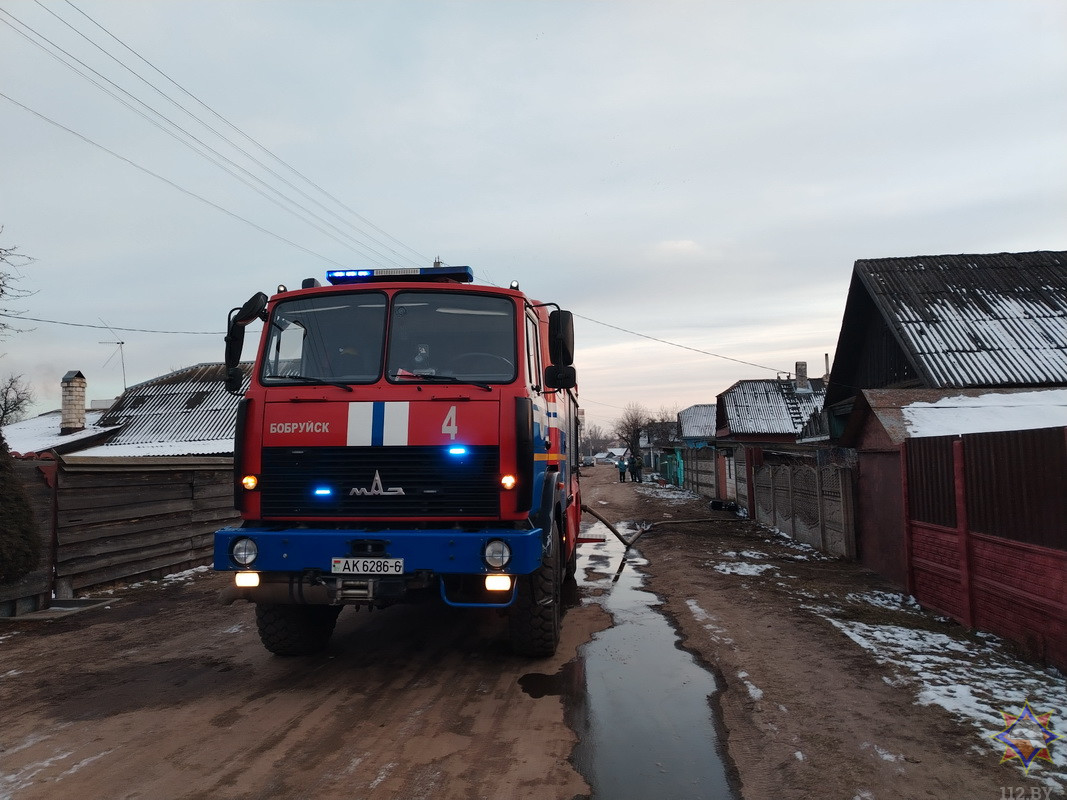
(882, 753)
(672, 495)
(186, 575)
(754, 691)
(798, 756)
(891, 601)
(973, 682)
(1015, 411)
(709, 622)
(744, 569)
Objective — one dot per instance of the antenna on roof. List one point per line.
(118, 349)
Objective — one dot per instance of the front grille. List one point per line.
(366, 482)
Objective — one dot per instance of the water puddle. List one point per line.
(638, 703)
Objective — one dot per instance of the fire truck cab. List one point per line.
(404, 435)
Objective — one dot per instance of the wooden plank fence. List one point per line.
(121, 519)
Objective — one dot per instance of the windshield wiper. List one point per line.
(308, 379)
(432, 378)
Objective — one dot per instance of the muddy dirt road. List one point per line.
(167, 694)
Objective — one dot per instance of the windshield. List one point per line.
(332, 338)
(433, 336)
(451, 336)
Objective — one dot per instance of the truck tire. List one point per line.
(535, 616)
(292, 630)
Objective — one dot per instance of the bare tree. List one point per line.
(10, 262)
(20, 545)
(593, 439)
(628, 427)
(16, 397)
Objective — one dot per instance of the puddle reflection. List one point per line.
(638, 703)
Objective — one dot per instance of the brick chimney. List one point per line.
(803, 384)
(73, 403)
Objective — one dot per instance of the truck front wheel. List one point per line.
(292, 630)
(535, 616)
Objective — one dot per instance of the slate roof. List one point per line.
(768, 406)
(964, 320)
(186, 412)
(698, 422)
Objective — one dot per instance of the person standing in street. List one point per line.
(638, 465)
(622, 469)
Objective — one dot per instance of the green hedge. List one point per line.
(20, 546)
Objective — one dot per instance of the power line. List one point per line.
(170, 183)
(681, 346)
(418, 259)
(111, 328)
(199, 147)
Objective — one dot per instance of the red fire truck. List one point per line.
(405, 435)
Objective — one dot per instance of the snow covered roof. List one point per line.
(773, 406)
(186, 412)
(995, 320)
(698, 422)
(920, 413)
(41, 433)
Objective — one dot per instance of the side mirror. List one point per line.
(560, 377)
(234, 380)
(561, 339)
(252, 309)
(235, 337)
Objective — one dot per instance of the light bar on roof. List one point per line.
(457, 274)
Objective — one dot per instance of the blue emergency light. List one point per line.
(443, 273)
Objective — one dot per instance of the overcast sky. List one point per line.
(699, 173)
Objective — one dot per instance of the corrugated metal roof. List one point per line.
(770, 406)
(186, 412)
(698, 422)
(976, 320)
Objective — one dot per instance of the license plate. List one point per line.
(367, 566)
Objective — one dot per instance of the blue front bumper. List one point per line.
(443, 551)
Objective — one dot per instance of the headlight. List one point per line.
(497, 554)
(250, 482)
(244, 551)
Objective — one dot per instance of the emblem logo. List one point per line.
(375, 488)
(1026, 736)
